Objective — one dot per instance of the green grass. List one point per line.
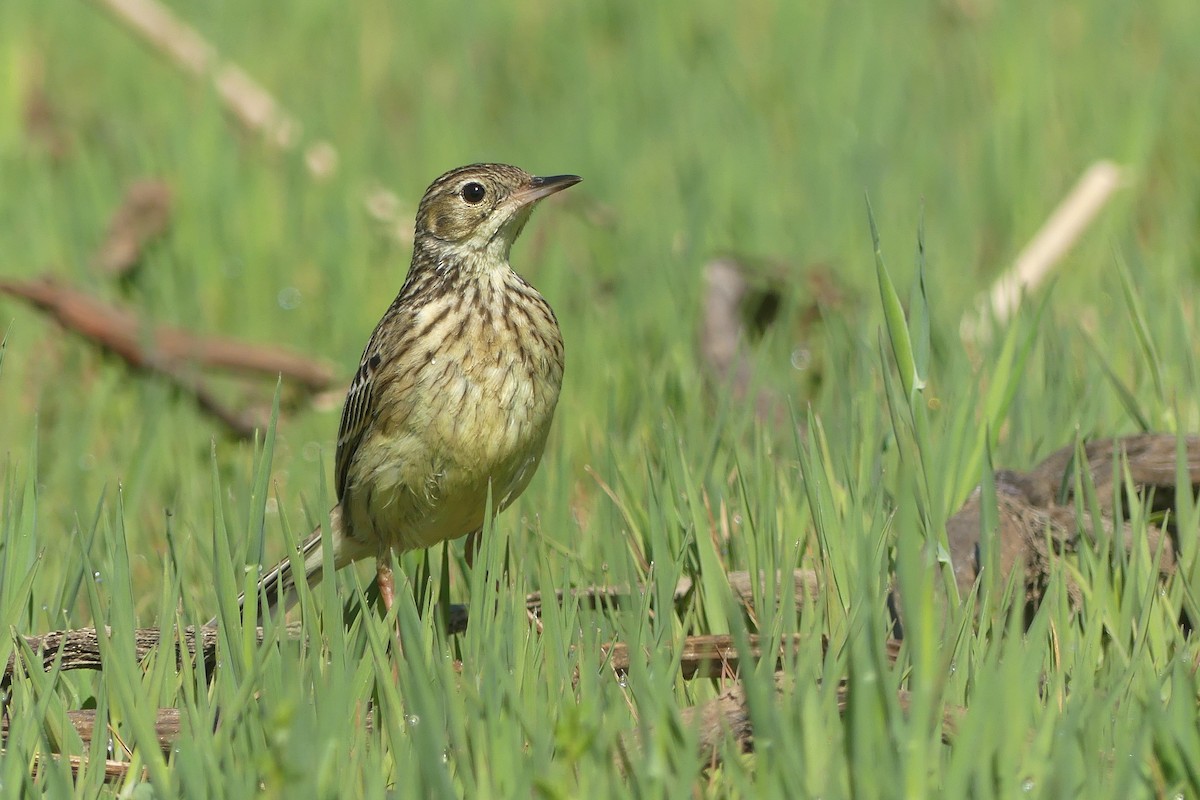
(701, 130)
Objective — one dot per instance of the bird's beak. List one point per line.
(544, 187)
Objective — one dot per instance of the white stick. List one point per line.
(1047, 247)
(245, 98)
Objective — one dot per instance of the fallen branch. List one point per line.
(805, 586)
(114, 771)
(81, 648)
(114, 330)
(700, 657)
(706, 656)
(162, 348)
(717, 656)
(167, 727)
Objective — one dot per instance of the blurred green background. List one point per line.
(700, 128)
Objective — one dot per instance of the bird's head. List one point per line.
(480, 210)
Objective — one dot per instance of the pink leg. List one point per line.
(387, 593)
(387, 584)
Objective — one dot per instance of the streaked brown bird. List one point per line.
(456, 388)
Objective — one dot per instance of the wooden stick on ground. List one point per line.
(114, 771)
(704, 656)
(81, 650)
(700, 657)
(804, 584)
(728, 714)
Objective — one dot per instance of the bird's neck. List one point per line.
(451, 266)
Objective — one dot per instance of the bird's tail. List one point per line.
(277, 587)
(276, 591)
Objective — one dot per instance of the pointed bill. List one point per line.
(544, 187)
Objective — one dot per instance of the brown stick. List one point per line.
(142, 217)
(113, 770)
(705, 656)
(161, 348)
(167, 726)
(717, 656)
(700, 657)
(81, 649)
(805, 585)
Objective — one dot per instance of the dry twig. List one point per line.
(700, 657)
(81, 650)
(44, 125)
(170, 352)
(162, 347)
(1055, 238)
(143, 216)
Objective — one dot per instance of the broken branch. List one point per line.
(161, 347)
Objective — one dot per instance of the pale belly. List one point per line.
(481, 428)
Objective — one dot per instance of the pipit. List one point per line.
(455, 391)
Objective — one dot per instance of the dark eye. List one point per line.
(473, 192)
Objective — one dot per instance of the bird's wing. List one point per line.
(358, 411)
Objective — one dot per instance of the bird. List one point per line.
(455, 392)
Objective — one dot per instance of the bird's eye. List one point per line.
(473, 193)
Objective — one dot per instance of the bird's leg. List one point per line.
(387, 594)
(387, 583)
